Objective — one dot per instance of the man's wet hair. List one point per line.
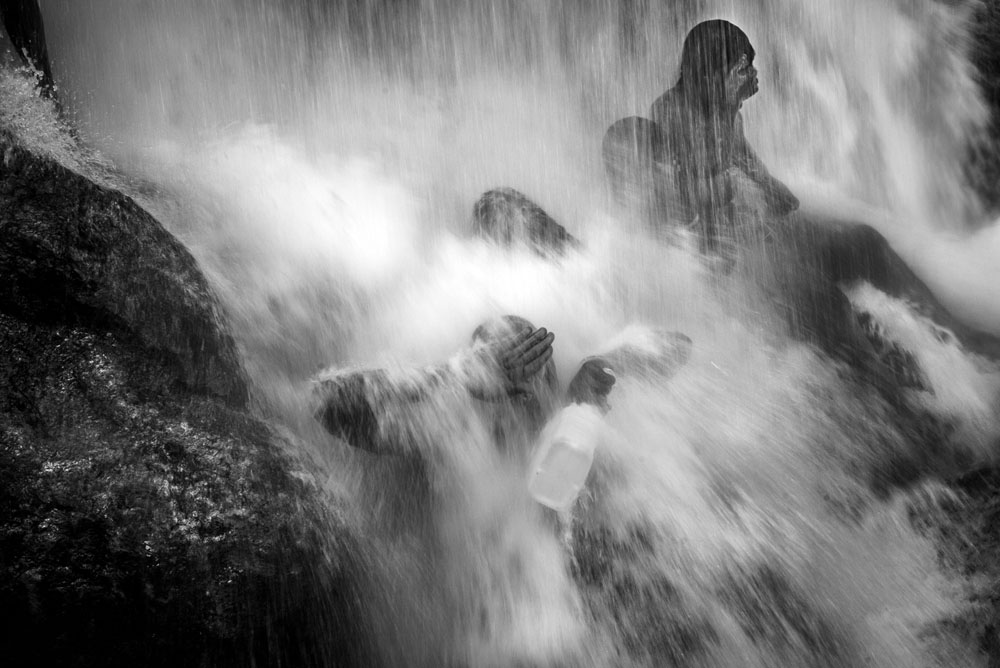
(498, 328)
(710, 51)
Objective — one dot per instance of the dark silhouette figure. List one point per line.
(679, 168)
(23, 21)
(702, 130)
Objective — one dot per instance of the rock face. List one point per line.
(74, 252)
(984, 152)
(509, 218)
(145, 517)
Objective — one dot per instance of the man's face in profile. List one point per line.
(741, 81)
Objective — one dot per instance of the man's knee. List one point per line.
(868, 241)
(859, 252)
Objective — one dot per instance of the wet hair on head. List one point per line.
(500, 327)
(710, 50)
(496, 328)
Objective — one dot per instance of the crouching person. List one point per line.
(507, 378)
(455, 535)
(508, 372)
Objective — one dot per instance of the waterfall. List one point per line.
(321, 161)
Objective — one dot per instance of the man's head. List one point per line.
(717, 65)
(520, 349)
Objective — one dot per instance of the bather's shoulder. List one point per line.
(666, 109)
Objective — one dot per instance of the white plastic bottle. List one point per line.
(562, 461)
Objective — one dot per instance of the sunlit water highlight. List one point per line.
(321, 164)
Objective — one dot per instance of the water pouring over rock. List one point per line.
(762, 497)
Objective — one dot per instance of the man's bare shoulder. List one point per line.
(666, 109)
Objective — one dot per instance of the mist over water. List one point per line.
(321, 161)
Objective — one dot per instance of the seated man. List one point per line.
(694, 141)
(690, 151)
(702, 129)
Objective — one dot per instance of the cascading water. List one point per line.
(321, 159)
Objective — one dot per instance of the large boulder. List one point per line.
(969, 532)
(509, 218)
(75, 252)
(983, 167)
(146, 518)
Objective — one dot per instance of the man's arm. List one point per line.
(354, 404)
(346, 410)
(779, 199)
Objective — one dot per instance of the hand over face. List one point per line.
(591, 384)
(508, 364)
(523, 355)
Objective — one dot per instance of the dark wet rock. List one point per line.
(509, 217)
(629, 592)
(22, 19)
(967, 532)
(642, 610)
(983, 166)
(775, 614)
(901, 363)
(146, 519)
(75, 252)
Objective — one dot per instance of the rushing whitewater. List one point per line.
(321, 161)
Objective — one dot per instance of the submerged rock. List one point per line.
(75, 252)
(508, 217)
(146, 518)
(966, 526)
(983, 157)
(648, 616)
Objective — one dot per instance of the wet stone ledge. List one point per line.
(146, 518)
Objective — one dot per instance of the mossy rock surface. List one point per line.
(72, 251)
(146, 517)
(983, 167)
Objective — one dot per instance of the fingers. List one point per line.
(532, 346)
(538, 349)
(507, 347)
(528, 356)
(533, 367)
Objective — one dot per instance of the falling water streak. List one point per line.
(321, 160)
